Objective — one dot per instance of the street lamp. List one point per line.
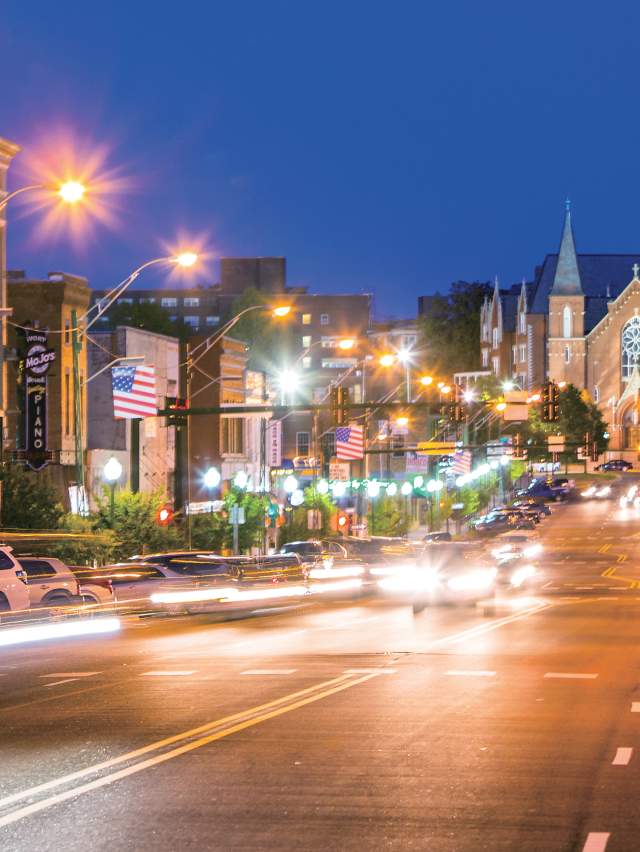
(290, 484)
(288, 381)
(212, 478)
(425, 381)
(112, 472)
(70, 191)
(387, 360)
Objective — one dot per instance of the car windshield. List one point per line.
(302, 547)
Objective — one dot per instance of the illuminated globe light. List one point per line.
(493, 464)
(463, 480)
(507, 386)
(322, 487)
(418, 481)
(339, 489)
(387, 360)
(112, 470)
(355, 484)
(468, 396)
(483, 469)
(505, 460)
(445, 389)
(282, 310)
(392, 489)
(432, 485)
(373, 489)
(212, 478)
(297, 497)
(290, 484)
(241, 479)
(406, 489)
(71, 191)
(346, 344)
(187, 258)
(426, 381)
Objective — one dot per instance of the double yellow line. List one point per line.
(611, 574)
(184, 742)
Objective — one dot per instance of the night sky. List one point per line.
(382, 147)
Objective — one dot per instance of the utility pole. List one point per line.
(76, 349)
(135, 455)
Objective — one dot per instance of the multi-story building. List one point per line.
(8, 151)
(145, 448)
(578, 321)
(46, 306)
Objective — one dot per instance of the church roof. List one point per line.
(566, 280)
(602, 276)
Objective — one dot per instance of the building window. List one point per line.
(191, 302)
(495, 365)
(302, 443)
(233, 435)
(306, 362)
(169, 302)
(567, 354)
(338, 363)
(356, 394)
(147, 300)
(192, 321)
(173, 317)
(596, 394)
(67, 332)
(566, 321)
(67, 404)
(306, 341)
(630, 346)
(523, 352)
(409, 340)
(523, 322)
(514, 354)
(324, 319)
(495, 338)
(485, 357)
(306, 319)
(125, 300)
(319, 394)
(328, 442)
(213, 320)
(397, 443)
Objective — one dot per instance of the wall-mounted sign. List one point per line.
(274, 443)
(37, 361)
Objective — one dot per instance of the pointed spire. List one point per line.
(566, 281)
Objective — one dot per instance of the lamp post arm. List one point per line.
(16, 192)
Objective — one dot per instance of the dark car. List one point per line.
(315, 551)
(539, 505)
(502, 520)
(614, 464)
(437, 536)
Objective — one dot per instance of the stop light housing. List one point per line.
(519, 451)
(550, 401)
(339, 401)
(175, 404)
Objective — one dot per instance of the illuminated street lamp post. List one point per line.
(112, 472)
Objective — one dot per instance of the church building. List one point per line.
(578, 321)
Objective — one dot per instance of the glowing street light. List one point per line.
(425, 381)
(440, 385)
(241, 479)
(281, 310)
(346, 344)
(402, 420)
(501, 406)
(212, 478)
(288, 381)
(508, 386)
(186, 259)
(468, 396)
(445, 389)
(387, 360)
(72, 191)
(406, 489)
(290, 484)
(112, 471)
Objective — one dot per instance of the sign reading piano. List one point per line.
(37, 360)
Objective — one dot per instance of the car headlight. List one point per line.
(473, 581)
(604, 491)
(589, 492)
(414, 580)
(532, 550)
(521, 575)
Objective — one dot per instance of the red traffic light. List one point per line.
(343, 520)
(164, 516)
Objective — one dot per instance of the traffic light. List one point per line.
(455, 412)
(271, 516)
(339, 403)
(587, 448)
(550, 400)
(555, 401)
(164, 516)
(594, 451)
(343, 523)
(177, 404)
(519, 450)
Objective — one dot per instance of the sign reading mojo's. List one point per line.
(37, 360)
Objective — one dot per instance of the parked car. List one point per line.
(14, 589)
(501, 520)
(50, 581)
(317, 552)
(94, 589)
(539, 505)
(614, 464)
(437, 536)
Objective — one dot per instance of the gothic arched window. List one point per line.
(630, 346)
(566, 321)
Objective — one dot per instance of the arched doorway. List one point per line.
(630, 426)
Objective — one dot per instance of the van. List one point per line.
(14, 589)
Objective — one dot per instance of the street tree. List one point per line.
(148, 316)
(28, 502)
(270, 341)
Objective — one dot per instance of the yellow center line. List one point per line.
(336, 685)
(604, 548)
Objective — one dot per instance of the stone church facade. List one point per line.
(578, 321)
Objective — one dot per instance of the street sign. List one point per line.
(436, 448)
(237, 514)
(274, 443)
(555, 443)
(340, 471)
(501, 447)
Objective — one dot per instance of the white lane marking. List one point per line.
(58, 682)
(184, 673)
(472, 632)
(470, 673)
(268, 672)
(572, 675)
(596, 841)
(383, 671)
(71, 674)
(635, 706)
(622, 757)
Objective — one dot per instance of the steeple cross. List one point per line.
(635, 269)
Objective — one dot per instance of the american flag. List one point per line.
(461, 462)
(134, 392)
(350, 442)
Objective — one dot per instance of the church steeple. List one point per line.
(566, 281)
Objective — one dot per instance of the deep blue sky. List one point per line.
(387, 147)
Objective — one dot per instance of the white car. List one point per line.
(14, 591)
(51, 583)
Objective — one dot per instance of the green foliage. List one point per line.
(578, 415)
(270, 340)
(388, 516)
(88, 546)
(135, 524)
(149, 316)
(210, 531)
(27, 501)
(251, 533)
(451, 330)
(297, 528)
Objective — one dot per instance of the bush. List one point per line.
(27, 502)
(135, 525)
(89, 547)
(388, 516)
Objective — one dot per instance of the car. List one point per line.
(14, 589)
(437, 536)
(516, 555)
(51, 582)
(500, 520)
(614, 464)
(539, 505)
(94, 589)
(317, 552)
(454, 573)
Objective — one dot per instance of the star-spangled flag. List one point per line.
(350, 442)
(461, 462)
(134, 392)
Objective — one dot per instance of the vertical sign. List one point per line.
(274, 443)
(37, 361)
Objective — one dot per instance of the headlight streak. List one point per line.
(473, 581)
(409, 580)
(233, 595)
(329, 573)
(522, 575)
(60, 630)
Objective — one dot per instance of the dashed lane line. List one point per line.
(60, 682)
(71, 674)
(267, 672)
(571, 675)
(469, 673)
(596, 841)
(382, 671)
(622, 756)
(167, 673)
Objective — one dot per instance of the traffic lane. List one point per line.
(445, 752)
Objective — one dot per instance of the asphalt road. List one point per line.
(353, 726)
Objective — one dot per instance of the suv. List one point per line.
(51, 583)
(14, 591)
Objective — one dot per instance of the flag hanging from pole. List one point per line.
(350, 442)
(461, 462)
(134, 392)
